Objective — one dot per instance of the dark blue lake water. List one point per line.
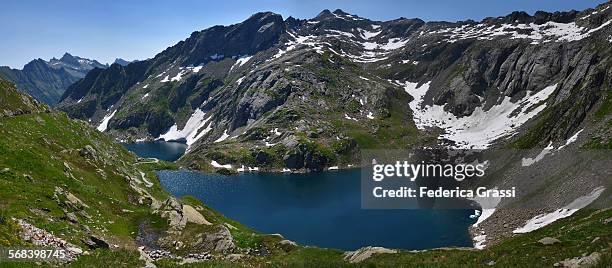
(168, 151)
(320, 209)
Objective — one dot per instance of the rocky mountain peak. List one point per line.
(340, 12)
(35, 64)
(68, 58)
(258, 32)
(121, 61)
(539, 17)
(325, 14)
(261, 16)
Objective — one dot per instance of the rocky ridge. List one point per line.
(46, 81)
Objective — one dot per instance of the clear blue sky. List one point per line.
(139, 29)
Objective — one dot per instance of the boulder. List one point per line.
(220, 240)
(94, 242)
(88, 152)
(578, 262)
(548, 241)
(365, 253)
(194, 216)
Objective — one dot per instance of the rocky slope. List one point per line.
(46, 81)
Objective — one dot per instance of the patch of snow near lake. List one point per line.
(104, 125)
(570, 140)
(545, 219)
(481, 128)
(333, 168)
(223, 137)
(244, 168)
(276, 132)
(166, 79)
(146, 86)
(217, 165)
(145, 95)
(487, 205)
(525, 162)
(479, 241)
(192, 130)
(370, 115)
(80, 100)
(286, 170)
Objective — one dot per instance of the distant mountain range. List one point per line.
(46, 81)
(122, 62)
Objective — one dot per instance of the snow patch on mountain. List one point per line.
(481, 128)
(217, 165)
(571, 140)
(240, 61)
(195, 69)
(545, 219)
(178, 76)
(525, 162)
(223, 137)
(537, 33)
(297, 41)
(365, 34)
(340, 33)
(192, 130)
(104, 125)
